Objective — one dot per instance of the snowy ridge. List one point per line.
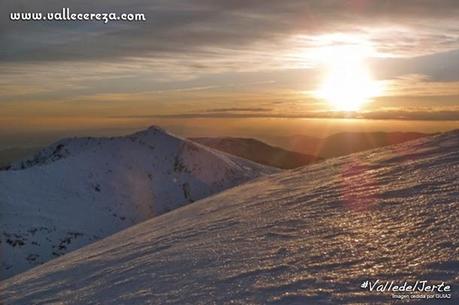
(79, 190)
(306, 236)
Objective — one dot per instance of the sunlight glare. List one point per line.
(348, 84)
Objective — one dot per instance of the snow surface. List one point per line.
(305, 236)
(79, 190)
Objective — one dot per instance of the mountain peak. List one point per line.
(152, 132)
(103, 185)
(155, 128)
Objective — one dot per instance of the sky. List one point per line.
(240, 67)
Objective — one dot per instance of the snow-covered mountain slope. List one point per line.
(80, 190)
(306, 236)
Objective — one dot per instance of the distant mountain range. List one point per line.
(282, 152)
(321, 234)
(302, 150)
(258, 151)
(79, 190)
(341, 144)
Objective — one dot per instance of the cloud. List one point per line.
(420, 85)
(212, 51)
(439, 67)
(436, 115)
(219, 29)
(238, 109)
(421, 115)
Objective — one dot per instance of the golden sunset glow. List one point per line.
(348, 83)
(225, 62)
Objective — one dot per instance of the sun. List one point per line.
(347, 83)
